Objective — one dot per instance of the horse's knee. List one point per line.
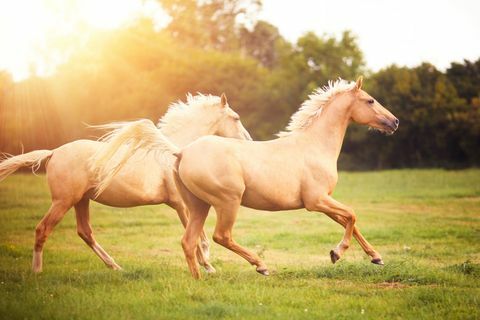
(351, 216)
(40, 237)
(221, 239)
(39, 230)
(87, 237)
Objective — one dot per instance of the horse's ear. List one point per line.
(359, 83)
(223, 100)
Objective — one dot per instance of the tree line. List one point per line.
(219, 46)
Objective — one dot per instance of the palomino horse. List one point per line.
(298, 170)
(142, 180)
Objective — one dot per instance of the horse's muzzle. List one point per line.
(390, 126)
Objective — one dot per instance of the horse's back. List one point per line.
(141, 181)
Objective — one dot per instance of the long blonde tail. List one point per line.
(10, 164)
(121, 143)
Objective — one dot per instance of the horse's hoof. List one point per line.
(263, 272)
(210, 269)
(334, 256)
(378, 261)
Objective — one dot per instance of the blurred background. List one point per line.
(67, 63)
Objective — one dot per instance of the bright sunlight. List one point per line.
(38, 35)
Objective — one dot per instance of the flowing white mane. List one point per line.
(180, 114)
(126, 138)
(312, 107)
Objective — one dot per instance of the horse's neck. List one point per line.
(326, 134)
(183, 136)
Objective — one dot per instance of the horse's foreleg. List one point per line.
(85, 232)
(366, 246)
(44, 228)
(226, 215)
(332, 208)
(205, 245)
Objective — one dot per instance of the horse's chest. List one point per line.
(321, 178)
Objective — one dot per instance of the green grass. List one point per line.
(425, 223)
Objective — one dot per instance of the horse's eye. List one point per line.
(370, 101)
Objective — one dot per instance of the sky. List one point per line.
(405, 32)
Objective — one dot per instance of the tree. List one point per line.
(466, 78)
(435, 123)
(262, 43)
(212, 24)
(329, 58)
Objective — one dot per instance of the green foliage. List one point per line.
(466, 79)
(327, 58)
(437, 127)
(425, 223)
(212, 24)
(262, 43)
(219, 46)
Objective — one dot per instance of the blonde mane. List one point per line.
(312, 107)
(180, 114)
(126, 138)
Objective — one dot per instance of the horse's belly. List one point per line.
(119, 196)
(271, 199)
(135, 188)
(273, 187)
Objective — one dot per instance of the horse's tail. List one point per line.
(10, 164)
(124, 139)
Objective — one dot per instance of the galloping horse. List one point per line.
(142, 179)
(297, 170)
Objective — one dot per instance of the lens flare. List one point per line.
(38, 35)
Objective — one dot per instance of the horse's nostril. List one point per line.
(397, 122)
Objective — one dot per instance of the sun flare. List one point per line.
(38, 35)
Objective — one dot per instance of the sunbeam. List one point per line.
(38, 35)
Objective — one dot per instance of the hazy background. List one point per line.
(66, 63)
(405, 32)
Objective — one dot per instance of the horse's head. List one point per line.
(228, 122)
(366, 110)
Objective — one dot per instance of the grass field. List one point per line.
(425, 223)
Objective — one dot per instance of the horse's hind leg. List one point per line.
(202, 251)
(44, 228)
(85, 232)
(198, 214)
(226, 215)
